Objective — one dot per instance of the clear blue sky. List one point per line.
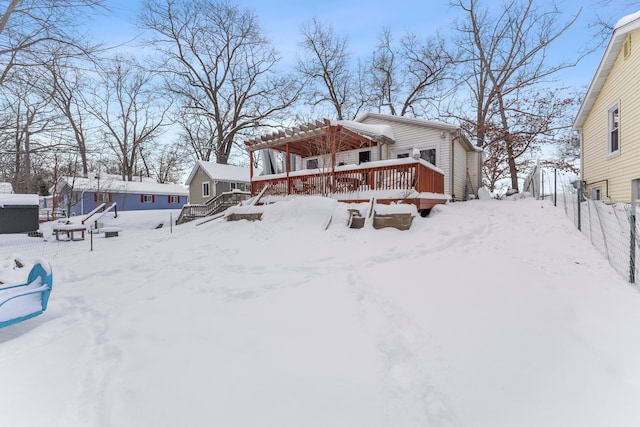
(361, 21)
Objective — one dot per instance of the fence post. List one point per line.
(635, 190)
(579, 208)
(555, 187)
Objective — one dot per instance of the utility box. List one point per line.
(19, 213)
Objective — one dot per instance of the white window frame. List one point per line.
(206, 189)
(613, 125)
(368, 150)
(596, 193)
(407, 152)
(310, 160)
(147, 198)
(174, 199)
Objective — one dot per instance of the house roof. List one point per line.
(314, 138)
(19, 200)
(623, 27)
(220, 172)
(115, 184)
(432, 124)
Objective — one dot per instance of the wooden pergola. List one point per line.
(313, 139)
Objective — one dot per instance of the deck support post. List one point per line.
(288, 167)
(251, 172)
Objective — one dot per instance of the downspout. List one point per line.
(452, 166)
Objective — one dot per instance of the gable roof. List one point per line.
(623, 27)
(115, 184)
(432, 124)
(220, 172)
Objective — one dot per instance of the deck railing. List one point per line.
(400, 174)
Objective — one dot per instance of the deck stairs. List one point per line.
(212, 206)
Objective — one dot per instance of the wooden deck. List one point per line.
(407, 180)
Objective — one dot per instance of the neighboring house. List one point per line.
(609, 118)
(208, 180)
(79, 196)
(379, 156)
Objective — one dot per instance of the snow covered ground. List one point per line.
(487, 313)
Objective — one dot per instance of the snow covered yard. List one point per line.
(487, 313)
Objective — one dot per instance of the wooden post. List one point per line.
(332, 133)
(288, 167)
(251, 172)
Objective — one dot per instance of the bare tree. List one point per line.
(68, 86)
(506, 58)
(29, 27)
(169, 163)
(407, 78)
(130, 111)
(197, 131)
(216, 58)
(29, 122)
(326, 65)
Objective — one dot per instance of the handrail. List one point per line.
(113, 206)
(211, 206)
(93, 212)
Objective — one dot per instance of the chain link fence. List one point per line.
(611, 227)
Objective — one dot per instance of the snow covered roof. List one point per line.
(623, 27)
(220, 172)
(115, 184)
(367, 129)
(411, 120)
(19, 200)
(431, 124)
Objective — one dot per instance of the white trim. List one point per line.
(625, 26)
(394, 153)
(610, 128)
(208, 186)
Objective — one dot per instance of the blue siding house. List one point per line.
(79, 196)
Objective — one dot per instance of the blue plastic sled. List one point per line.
(22, 302)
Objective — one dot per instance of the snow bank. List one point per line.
(486, 313)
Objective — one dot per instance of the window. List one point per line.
(205, 189)
(174, 199)
(428, 154)
(312, 164)
(595, 193)
(147, 198)
(364, 156)
(614, 130)
(102, 197)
